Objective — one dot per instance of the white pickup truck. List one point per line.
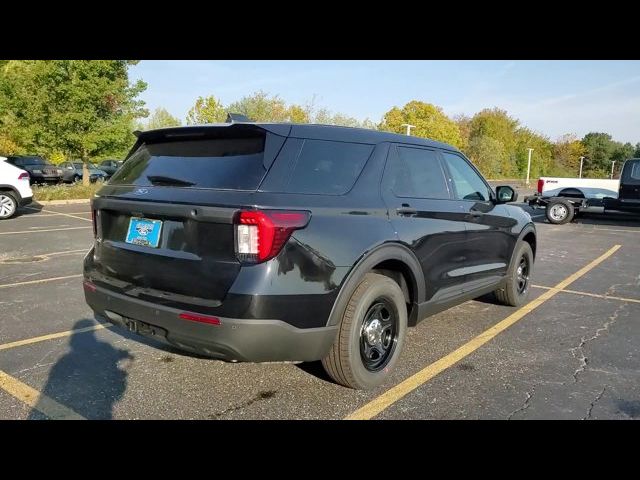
(563, 198)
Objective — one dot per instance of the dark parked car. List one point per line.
(72, 172)
(284, 242)
(110, 166)
(40, 171)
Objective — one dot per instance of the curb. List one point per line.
(60, 202)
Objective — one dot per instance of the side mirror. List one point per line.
(505, 194)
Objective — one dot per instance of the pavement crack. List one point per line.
(578, 351)
(260, 396)
(595, 400)
(525, 405)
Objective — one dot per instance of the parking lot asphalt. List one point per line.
(573, 354)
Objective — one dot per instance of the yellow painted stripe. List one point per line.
(43, 255)
(36, 400)
(63, 214)
(43, 280)
(391, 396)
(44, 230)
(53, 336)
(588, 294)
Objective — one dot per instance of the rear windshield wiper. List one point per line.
(162, 180)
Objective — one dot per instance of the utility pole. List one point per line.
(529, 165)
(581, 160)
(613, 164)
(409, 127)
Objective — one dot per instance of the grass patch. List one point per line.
(73, 191)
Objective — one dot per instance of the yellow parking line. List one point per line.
(43, 255)
(43, 230)
(36, 400)
(43, 280)
(60, 213)
(53, 336)
(391, 396)
(587, 294)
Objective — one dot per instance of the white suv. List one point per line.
(14, 189)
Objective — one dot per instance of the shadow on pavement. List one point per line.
(90, 378)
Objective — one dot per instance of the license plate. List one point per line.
(143, 231)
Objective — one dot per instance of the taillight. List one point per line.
(23, 176)
(540, 185)
(261, 234)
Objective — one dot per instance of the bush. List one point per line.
(65, 192)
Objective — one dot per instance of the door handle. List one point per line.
(406, 210)
(475, 213)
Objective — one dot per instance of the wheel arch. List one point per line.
(12, 189)
(394, 260)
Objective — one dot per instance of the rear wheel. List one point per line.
(371, 334)
(560, 211)
(516, 290)
(8, 205)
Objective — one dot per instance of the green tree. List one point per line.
(260, 107)
(429, 120)
(488, 154)
(636, 154)
(464, 125)
(82, 107)
(206, 110)
(161, 118)
(567, 152)
(599, 148)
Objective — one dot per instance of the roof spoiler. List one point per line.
(237, 117)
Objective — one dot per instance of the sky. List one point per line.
(551, 97)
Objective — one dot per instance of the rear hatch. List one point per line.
(165, 221)
(630, 181)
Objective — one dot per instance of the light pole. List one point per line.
(529, 165)
(581, 160)
(409, 127)
(613, 164)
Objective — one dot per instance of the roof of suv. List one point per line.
(300, 130)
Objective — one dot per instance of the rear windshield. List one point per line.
(635, 170)
(220, 163)
(28, 161)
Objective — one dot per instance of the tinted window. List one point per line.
(221, 163)
(20, 161)
(78, 165)
(327, 167)
(417, 173)
(468, 185)
(635, 170)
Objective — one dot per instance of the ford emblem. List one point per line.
(141, 191)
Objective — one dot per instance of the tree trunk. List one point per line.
(85, 169)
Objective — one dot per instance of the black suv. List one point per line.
(286, 242)
(40, 171)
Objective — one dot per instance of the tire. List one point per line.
(516, 290)
(76, 179)
(377, 305)
(8, 205)
(560, 211)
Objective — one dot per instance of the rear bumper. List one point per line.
(245, 340)
(25, 201)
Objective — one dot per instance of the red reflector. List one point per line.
(89, 286)
(540, 185)
(23, 176)
(194, 317)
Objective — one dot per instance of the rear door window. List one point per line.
(327, 167)
(218, 163)
(417, 173)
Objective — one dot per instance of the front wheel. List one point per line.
(516, 289)
(371, 335)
